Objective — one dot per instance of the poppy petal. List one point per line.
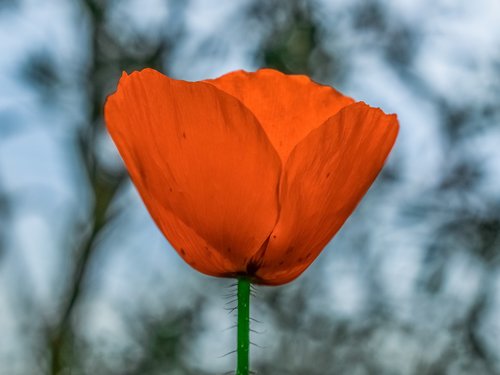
(287, 106)
(192, 248)
(202, 164)
(325, 177)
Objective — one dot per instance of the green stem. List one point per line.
(243, 348)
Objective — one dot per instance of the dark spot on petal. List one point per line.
(184, 135)
(274, 236)
(308, 255)
(140, 170)
(281, 262)
(206, 247)
(170, 189)
(300, 259)
(328, 175)
(183, 252)
(289, 250)
(228, 249)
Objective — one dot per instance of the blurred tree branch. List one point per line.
(103, 184)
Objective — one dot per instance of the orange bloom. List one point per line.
(250, 173)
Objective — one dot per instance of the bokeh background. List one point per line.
(410, 285)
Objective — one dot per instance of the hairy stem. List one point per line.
(243, 341)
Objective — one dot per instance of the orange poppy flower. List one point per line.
(249, 174)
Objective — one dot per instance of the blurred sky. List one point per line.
(39, 167)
